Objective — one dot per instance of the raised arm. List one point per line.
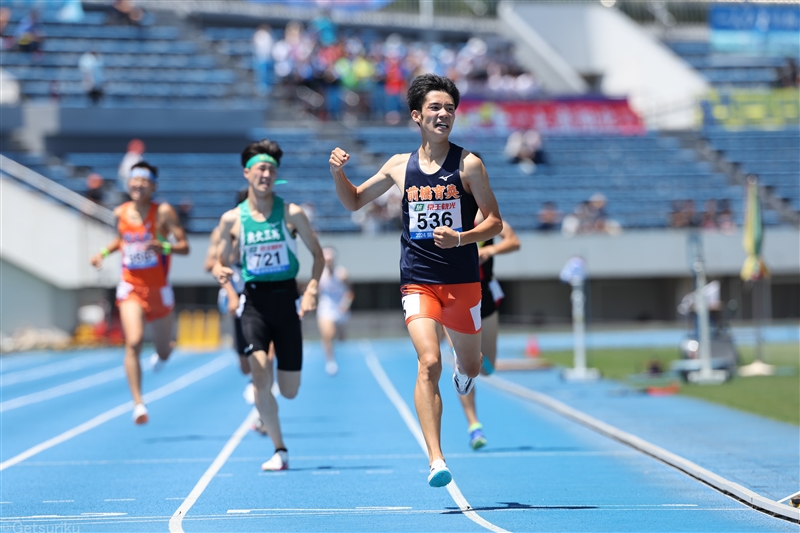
(297, 219)
(354, 198)
(476, 182)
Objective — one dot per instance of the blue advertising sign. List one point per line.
(756, 30)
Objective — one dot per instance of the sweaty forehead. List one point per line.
(438, 97)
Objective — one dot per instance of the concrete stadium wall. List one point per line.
(27, 301)
(642, 274)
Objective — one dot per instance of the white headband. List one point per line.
(141, 172)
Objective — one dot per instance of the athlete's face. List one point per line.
(261, 177)
(141, 189)
(437, 115)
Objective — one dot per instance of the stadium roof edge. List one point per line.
(262, 12)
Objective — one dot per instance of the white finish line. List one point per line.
(181, 383)
(405, 413)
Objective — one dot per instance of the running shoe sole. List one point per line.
(440, 478)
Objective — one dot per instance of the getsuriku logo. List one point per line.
(419, 207)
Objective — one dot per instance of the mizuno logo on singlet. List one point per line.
(445, 177)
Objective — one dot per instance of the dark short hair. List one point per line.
(426, 83)
(264, 146)
(144, 164)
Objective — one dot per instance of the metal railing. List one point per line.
(56, 191)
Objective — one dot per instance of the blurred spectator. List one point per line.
(134, 154)
(725, 221)
(590, 217)
(685, 215)
(523, 148)
(710, 215)
(94, 188)
(126, 13)
(596, 215)
(549, 217)
(577, 221)
(185, 212)
(262, 58)
(370, 75)
(91, 67)
(323, 29)
(6, 40)
(29, 35)
(598, 221)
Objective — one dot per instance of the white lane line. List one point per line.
(694, 470)
(32, 374)
(411, 422)
(61, 390)
(174, 386)
(176, 521)
(789, 497)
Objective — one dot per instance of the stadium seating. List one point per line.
(728, 69)
(153, 65)
(641, 176)
(774, 156)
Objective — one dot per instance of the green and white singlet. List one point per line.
(268, 251)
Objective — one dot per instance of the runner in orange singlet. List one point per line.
(144, 293)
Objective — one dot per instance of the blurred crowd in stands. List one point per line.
(365, 76)
(717, 215)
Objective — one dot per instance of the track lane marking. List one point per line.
(51, 369)
(411, 422)
(174, 386)
(719, 483)
(176, 520)
(64, 389)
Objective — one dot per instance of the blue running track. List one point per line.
(71, 457)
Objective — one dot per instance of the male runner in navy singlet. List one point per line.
(444, 186)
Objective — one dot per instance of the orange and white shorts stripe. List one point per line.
(455, 306)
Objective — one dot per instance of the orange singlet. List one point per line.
(144, 272)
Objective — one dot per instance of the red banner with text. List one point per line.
(552, 116)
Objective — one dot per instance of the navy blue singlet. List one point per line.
(430, 201)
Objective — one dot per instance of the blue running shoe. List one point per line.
(476, 437)
(440, 475)
(487, 366)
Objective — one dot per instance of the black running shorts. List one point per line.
(241, 344)
(270, 315)
(488, 305)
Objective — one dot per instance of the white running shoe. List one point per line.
(440, 475)
(279, 461)
(331, 368)
(462, 382)
(140, 415)
(249, 393)
(156, 363)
